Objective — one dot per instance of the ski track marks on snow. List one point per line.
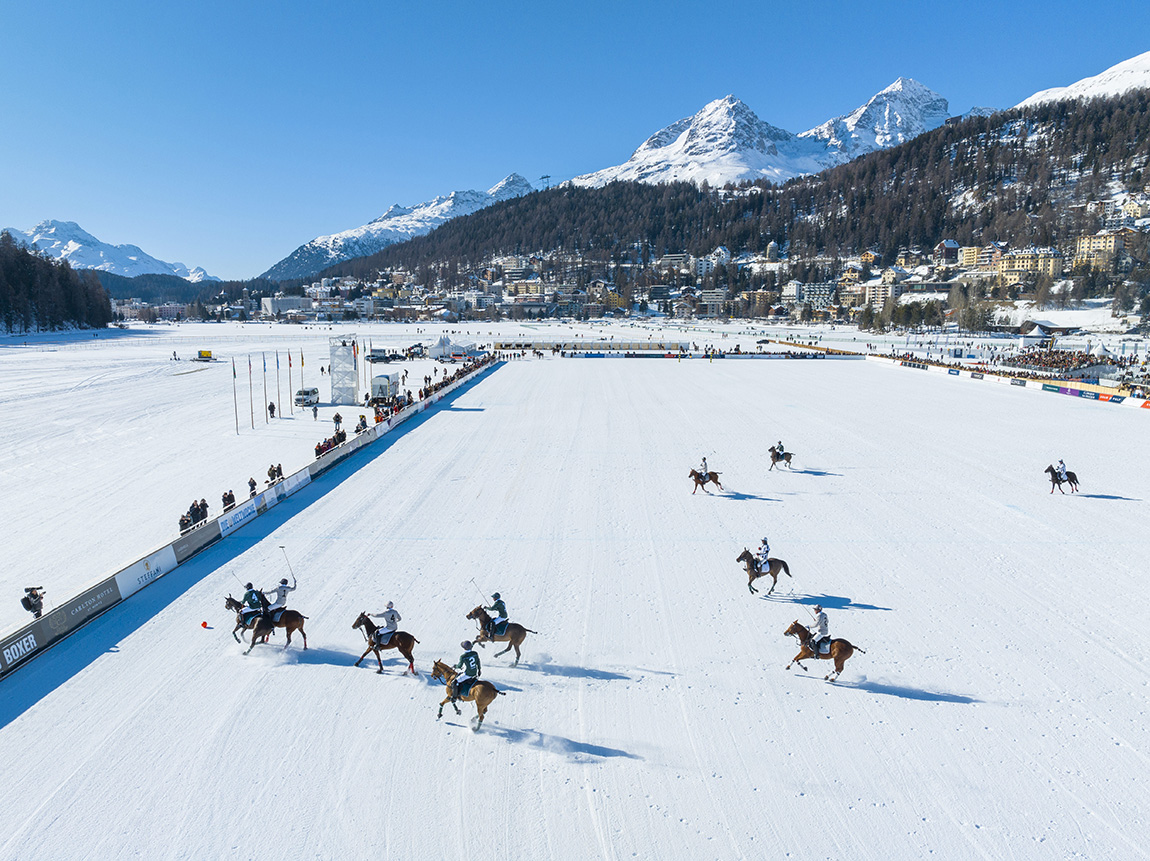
(999, 710)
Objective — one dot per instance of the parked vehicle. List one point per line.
(307, 397)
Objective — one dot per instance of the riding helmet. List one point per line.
(818, 608)
(248, 586)
(466, 645)
(283, 581)
(390, 606)
(495, 596)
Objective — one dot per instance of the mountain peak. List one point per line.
(894, 115)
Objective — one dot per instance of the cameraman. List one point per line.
(33, 600)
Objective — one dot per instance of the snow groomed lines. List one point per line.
(62, 621)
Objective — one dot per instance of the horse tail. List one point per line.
(786, 570)
(501, 693)
(529, 631)
(858, 649)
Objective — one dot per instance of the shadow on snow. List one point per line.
(906, 692)
(827, 602)
(576, 751)
(38, 678)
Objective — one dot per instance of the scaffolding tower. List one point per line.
(344, 370)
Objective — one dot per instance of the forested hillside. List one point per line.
(1013, 176)
(39, 293)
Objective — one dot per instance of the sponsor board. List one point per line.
(295, 481)
(952, 371)
(1090, 396)
(1068, 391)
(1114, 399)
(1046, 387)
(918, 365)
(139, 574)
(975, 375)
(21, 645)
(265, 500)
(61, 621)
(234, 519)
(189, 545)
(1017, 382)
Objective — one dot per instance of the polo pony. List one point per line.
(481, 693)
(399, 640)
(753, 573)
(701, 480)
(840, 651)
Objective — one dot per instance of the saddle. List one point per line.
(382, 638)
(500, 629)
(464, 686)
(823, 647)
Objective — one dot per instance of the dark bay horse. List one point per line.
(482, 693)
(399, 640)
(840, 651)
(753, 573)
(514, 633)
(1056, 481)
(776, 456)
(292, 620)
(701, 480)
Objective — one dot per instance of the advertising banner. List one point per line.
(975, 375)
(1046, 387)
(1016, 382)
(139, 574)
(295, 481)
(266, 500)
(952, 371)
(1068, 391)
(189, 545)
(57, 623)
(1090, 396)
(234, 519)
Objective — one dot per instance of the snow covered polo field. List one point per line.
(999, 711)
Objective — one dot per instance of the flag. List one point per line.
(289, 358)
(277, 360)
(301, 358)
(233, 369)
(265, 358)
(249, 364)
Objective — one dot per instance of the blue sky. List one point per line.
(224, 135)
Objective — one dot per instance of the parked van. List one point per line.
(307, 397)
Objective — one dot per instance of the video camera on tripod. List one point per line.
(33, 600)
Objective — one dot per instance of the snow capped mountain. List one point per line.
(398, 224)
(726, 141)
(66, 240)
(1132, 74)
(902, 111)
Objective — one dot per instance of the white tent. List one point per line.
(442, 348)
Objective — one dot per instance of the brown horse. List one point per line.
(399, 640)
(1055, 481)
(514, 633)
(753, 573)
(701, 480)
(777, 455)
(482, 693)
(840, 650)
(292, 620)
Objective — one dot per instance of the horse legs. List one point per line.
(505, 651)
(364, 655)
(751, 587)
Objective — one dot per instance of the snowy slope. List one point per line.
(727, 142)
(398, 224)
(1132, 74)
(66, 240)
(995, 713)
